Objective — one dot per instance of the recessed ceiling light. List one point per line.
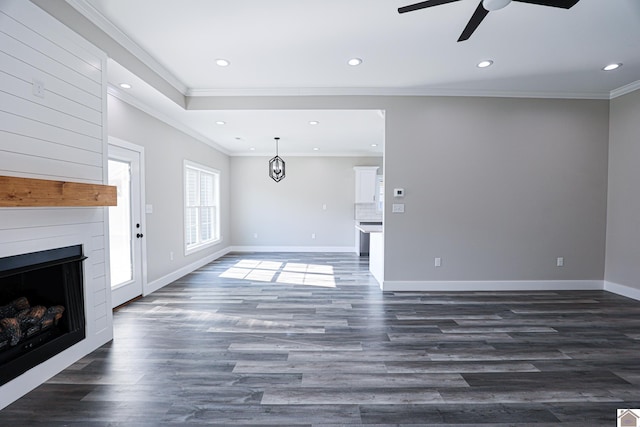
(484, 64)
(238, 138)
(125, 85)
(222, 62)
(315, 149)
(354, 62)
(374, 145)
(252, 148)
(220, 122)
(314, 122)
(612, 67)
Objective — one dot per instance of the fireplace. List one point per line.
(41, 307)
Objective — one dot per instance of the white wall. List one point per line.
(285, 214)
(622, 273)
(165, 151)
(61, 137)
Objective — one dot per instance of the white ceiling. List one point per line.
(252, 132)
(289, 47)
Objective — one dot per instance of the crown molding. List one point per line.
(93, 15)
(135, 102)
(314, 154)
(623, 90)
(100, 21)
(386, 91)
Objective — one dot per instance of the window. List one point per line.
(201, 206)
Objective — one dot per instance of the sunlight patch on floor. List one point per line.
(309, 279)
(291, 273)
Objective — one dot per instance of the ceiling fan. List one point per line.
(484, 8)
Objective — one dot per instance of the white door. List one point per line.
(126, 230)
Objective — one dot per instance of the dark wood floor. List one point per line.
(309, 339)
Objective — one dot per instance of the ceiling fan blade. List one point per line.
(564, 4)
(423, 5)
(474, 22)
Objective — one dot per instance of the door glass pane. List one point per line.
(120, 224)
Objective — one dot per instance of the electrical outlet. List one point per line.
(560, 261)
(437, 262)
(255, 235)
(38, 88)
(313, 235)
(397, 208)
(171, 256)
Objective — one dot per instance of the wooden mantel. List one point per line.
(29, 192)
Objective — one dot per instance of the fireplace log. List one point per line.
(10, 329)
(31, 316)
(14, 307)
(52, 316)
(26, 322)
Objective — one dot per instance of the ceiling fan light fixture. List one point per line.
(484, 64)
(492, 5)
(612, 67)
(483, 9)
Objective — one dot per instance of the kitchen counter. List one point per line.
(376, 257)
(369, 228)
(371, 242)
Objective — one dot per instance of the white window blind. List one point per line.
(201, 216)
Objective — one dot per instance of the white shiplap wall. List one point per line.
(60, 136)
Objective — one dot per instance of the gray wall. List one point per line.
(623, 220)
(165, 150)
(498, 188)
(288, 212)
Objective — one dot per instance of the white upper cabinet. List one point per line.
(366, 183)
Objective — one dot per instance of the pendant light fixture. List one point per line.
(276, 165)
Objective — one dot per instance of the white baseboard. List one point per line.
(292, 249)
(493, 285)
(623, 290)
(175, 275)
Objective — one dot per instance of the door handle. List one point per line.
(139, 235)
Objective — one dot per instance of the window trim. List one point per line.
(188, 164)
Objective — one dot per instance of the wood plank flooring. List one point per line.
(290, 339)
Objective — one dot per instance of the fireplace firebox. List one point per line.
(41, 307)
